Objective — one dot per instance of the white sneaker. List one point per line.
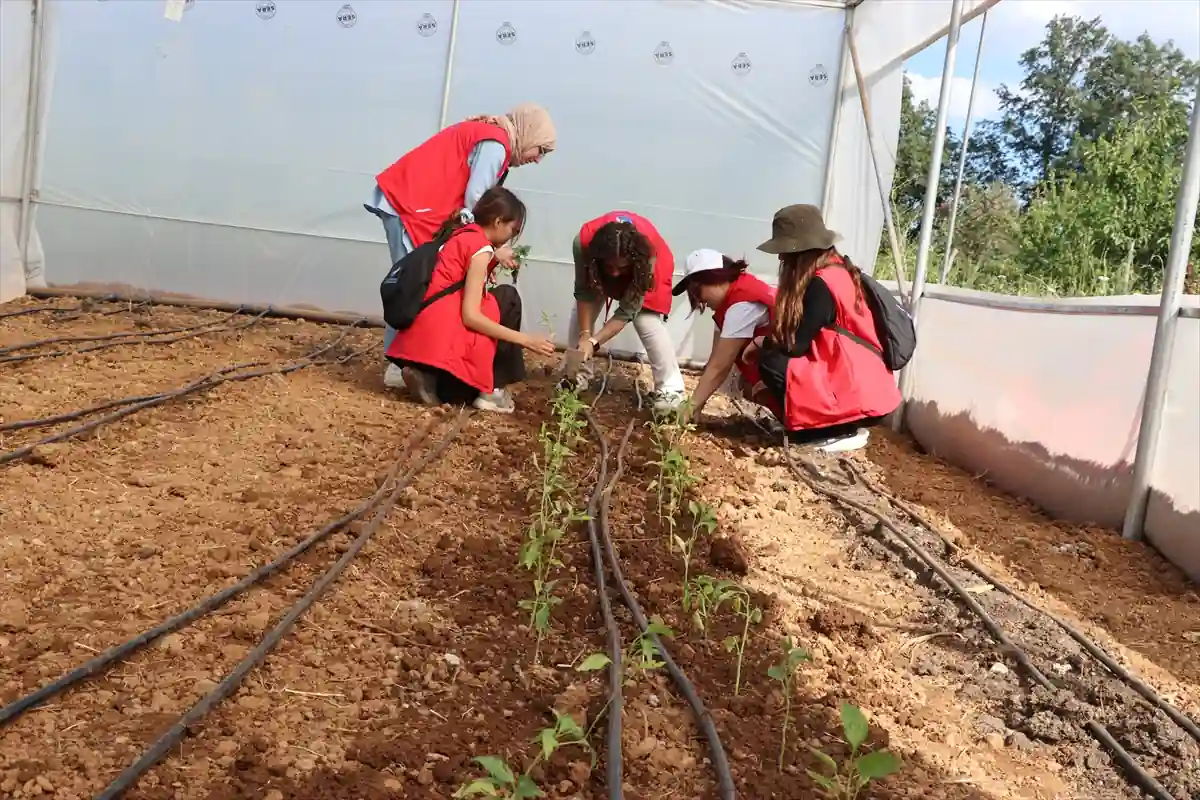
(665, 402)
(845, 444)
(421, 384)
(497, 400)
(393, 377)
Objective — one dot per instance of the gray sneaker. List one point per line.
(497, 400)
(393, 377)
(844, 444)
(665, 402)
(422, 385)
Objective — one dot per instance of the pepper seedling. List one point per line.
(501, 779)
(844, 782)
(785, 673)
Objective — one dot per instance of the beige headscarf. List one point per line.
(528, 125)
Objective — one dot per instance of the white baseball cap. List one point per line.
(699, 261)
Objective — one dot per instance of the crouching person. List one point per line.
(464, 344)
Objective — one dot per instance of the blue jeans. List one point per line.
(399, 245)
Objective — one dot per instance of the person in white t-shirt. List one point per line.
(742, 307)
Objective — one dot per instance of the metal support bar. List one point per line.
(32, 134)
(962, 158)
(884, 195)
(1158, 376)
(931, 192)
(836, 123)
(445, 110)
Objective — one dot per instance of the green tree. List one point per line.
(918, 121)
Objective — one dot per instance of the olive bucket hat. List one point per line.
(796, 229)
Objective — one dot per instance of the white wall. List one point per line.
(1047, 406)
(229, 154)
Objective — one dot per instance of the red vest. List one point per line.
(438, 338)
(747, 289)
(838, 380)
(429, 182)
(658, 298)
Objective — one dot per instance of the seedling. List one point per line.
(845, 781)
(674, 473)
(502, 781)
(555, 513)
(785, 673)
(751, 615)
(703, 521)
(643, 651)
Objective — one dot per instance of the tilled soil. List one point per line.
(419, 657)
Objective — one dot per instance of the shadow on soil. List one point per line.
(465, 680)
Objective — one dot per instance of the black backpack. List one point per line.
(893, 326)
(403, 289)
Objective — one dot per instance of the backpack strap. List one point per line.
(857, 338)
(451, 289)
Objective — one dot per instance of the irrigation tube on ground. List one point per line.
(615, 705)
(205, 383)
(122, 339)
(234, 679)
(212, 602)
(106, 337)
(1093, 649)
(1135, 772)
(720, 761)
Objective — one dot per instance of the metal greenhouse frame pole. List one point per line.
(445, 110)
(32, 133)
(1158, 376)
(885, 196)
(962, 158)
(931, 192)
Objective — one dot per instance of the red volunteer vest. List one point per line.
(438, 338)
(428, 183)
(658, 299)
(747, 289)
(838, 380)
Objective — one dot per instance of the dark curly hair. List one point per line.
(620, 240)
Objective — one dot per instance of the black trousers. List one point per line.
(508, 367)
(772, 369)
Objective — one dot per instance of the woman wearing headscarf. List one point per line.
(449, 172)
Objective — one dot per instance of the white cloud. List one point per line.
(1176, 20)
(927, 88)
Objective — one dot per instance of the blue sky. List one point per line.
(1013, 26)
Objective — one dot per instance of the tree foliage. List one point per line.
(1071, 189)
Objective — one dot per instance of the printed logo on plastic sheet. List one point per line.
(819, 75)
(347, 17)
(585, 43)
(663, 54)
(426, 25)
(506, 34)
(741, 64)
(265, 9)
(187, 4)
(623, 218)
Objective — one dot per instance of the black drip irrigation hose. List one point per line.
(84, 306)
(720, 761)
(230, 683)
(210, 381)
(105, 337)
(613, 774)
(1093, 649)
(1135, 773)
(16, 708)
(21, 312)
(120, 340)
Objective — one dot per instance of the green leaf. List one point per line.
(875, 765)
(526, 788)
(824, 759)
(495, 767)
(548, 742)
(483, 787)
(730, 644)
(567, 726)
(594, 662)
(821, 780)
(854, 723)
(778, 672)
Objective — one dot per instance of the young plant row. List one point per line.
(556, 508)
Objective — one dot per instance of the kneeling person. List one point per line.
(465, 345)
